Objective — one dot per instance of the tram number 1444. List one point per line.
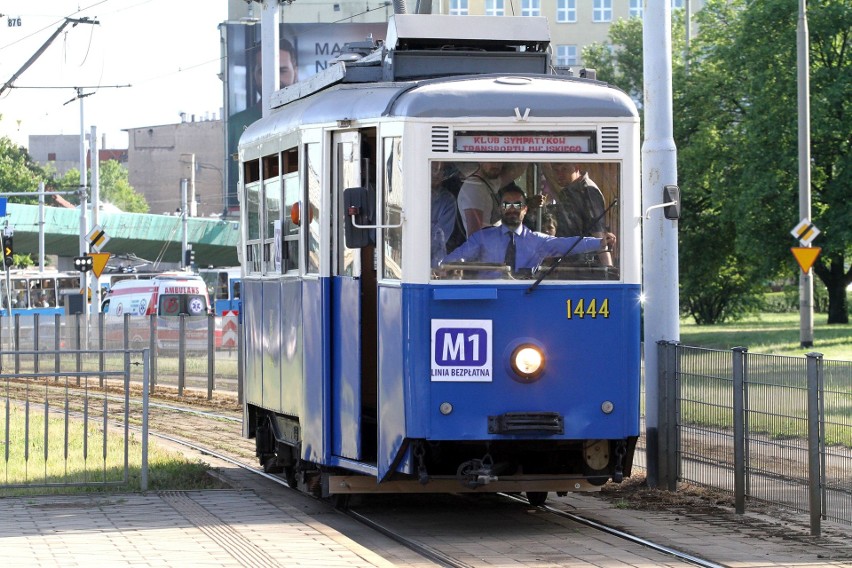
(587, 308)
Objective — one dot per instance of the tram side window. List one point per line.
(311, 214)
(290, 229)
(392, 207)
(252, 215)
(20, 297)
(271, 202)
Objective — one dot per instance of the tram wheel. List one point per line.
(270, 465)
(536, 498)
(290, 476)
(340, 501)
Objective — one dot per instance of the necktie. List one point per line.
(510, 252)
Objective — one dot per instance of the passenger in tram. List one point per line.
(477, 201)
(579, 205)
(512, 243)
(443, 214)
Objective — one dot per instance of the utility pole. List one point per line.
(806, 279)
(37, 54)
(659, 234)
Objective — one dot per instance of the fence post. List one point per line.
(240, 361)
(181, 354)
(814, 440)
(738, 369)
(57, 342)
(667, 450)
(152, 345)
(146, 379)
(211, 353)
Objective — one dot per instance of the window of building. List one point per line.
(531, 8)
(566, 11)
(495, 7)
(51, 156)
(635, 8)
(458, 7)
(566, 55)
(602, 11)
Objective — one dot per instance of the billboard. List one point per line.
(305, 50)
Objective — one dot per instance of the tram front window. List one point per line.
(564, 215)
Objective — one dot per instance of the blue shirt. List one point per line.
(443, 222)
(489, 245)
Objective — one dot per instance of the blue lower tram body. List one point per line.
(419, 385)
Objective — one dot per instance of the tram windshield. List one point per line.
(563, 217)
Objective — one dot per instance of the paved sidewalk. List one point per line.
(196, 528)
(259, 524)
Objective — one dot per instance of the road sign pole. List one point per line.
(806, 283)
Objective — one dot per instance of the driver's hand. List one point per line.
(535, 201)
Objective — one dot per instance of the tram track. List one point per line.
(430, 552)
(218, 435)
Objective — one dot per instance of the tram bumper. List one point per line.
(526, 422)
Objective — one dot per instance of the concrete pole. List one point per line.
(270, 60)
(806, 280)
(184, 222)
(41, 227)
(659, 235)
(96, 205)
(193, 209)
(83, 194)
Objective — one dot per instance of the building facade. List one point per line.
(159, 157)
(574, 24)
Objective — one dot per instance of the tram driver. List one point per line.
(513, 244)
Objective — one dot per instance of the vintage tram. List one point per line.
(371, 363)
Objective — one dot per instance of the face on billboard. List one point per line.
(305, 50)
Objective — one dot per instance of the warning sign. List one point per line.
(806, 256)
(99, 262)
(229, 330)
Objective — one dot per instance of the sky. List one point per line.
(167, 51)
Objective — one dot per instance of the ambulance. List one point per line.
(161, 299)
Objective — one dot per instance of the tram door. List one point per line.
(353, 328)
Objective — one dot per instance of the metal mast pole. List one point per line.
(270, 53)
(806, 282)
(659, 235)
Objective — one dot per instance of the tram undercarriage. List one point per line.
(532, 466)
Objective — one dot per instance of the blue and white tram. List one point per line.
(369, 367)
(30, 292)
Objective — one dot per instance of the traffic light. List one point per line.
(83, 263)
(189, 259)
(8, 250)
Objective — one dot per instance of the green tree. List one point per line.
(18, 171)
(735, 120)
(114, 187)
(760, 112)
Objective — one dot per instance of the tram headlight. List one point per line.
(527, 361)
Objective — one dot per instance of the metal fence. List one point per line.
(197, 353)
(766, 427)
(65, 419)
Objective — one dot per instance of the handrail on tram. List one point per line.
(356, 225)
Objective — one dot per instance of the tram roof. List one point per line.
(471, 96)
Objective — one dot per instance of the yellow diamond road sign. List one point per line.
(97, 238)
(805, 231)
